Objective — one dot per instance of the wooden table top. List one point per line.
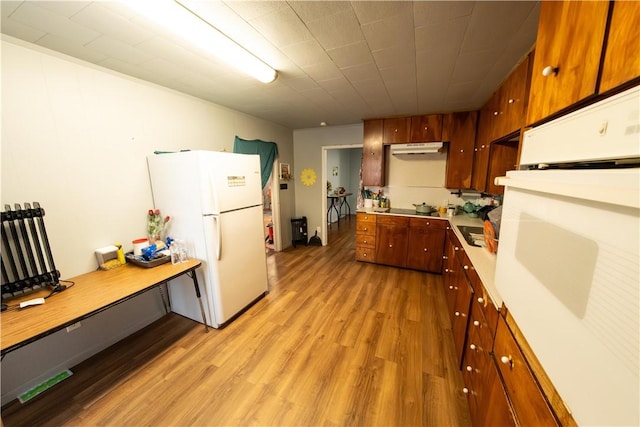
(91, 293)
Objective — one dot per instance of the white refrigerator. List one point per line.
(215, 203)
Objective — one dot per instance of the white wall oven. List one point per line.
(568, 261)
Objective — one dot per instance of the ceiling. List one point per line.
(338, 61)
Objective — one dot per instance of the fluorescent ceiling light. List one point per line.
(183, 22)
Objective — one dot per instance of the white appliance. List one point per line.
(215, 203)
(568, 260)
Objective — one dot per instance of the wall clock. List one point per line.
(308, 177)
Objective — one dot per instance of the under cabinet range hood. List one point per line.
(416, 148)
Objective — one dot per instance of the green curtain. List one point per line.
(268, 151)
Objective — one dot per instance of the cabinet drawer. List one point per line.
(366, 217)
(529, 404)
(365, 254)
(392, 220)
(366, 240)
(479, 325)
(428, 223)
(367, 228)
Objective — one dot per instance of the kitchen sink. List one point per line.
(473, 235)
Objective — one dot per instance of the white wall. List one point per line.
(307, 149)
(75, 138)
(348, 162)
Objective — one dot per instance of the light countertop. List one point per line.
(483, 261)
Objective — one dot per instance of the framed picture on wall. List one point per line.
(285, 172)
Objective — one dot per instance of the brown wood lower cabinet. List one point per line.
(426, 244)
(401, 241)
(488, 401)
(392, 240)
(528, 402)
(458, 292)
(365, 237)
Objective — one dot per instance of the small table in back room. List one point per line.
(337, 201)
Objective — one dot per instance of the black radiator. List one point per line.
(27, 262)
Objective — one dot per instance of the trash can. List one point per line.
(299, 231)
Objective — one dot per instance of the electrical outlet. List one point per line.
(73, 327)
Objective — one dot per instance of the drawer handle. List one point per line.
(366, 229)
(469, 368)
(549, 70)
(457, 313)
(444, 257)
(472, 346)
(507, 360)
(465, 390)
(476, 323)
(365, 242)
(425, 249)
(390, 246)
(450, 286)
(481, 300)
(364, 255)
(466, 267)
(456, 248)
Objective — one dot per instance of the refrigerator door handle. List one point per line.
(218, 237)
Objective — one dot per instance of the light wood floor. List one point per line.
(335, 342)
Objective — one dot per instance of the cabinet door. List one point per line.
(480, 166)
(391, 240)
(461, 133)
(396, 131)
(570, 39)
(513, 99)
(503, 157)
(450, 270)
(426, 128)
(527, 399)
(460, 317)
(373, 154)
(622, 56)
(426, 244)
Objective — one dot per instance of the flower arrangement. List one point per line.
(156, 225)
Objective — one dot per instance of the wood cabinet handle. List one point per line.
(465, 390)
(450, 286)
(469, 368)
(365, 242)
(365, 229)
(456, 248)
(390, 246)
(472, 346)
(549, 70)
(481, 300)
(364, 254)
(425, 249)
(511, 101)
(476, 323)
(466, 267)
(457, 313)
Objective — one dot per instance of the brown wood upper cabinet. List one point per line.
(567, 59)
(460, 132)
(396, 130)
(426, 128)
(373, 153)
(622, 56)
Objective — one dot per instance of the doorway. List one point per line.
(341, 165)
